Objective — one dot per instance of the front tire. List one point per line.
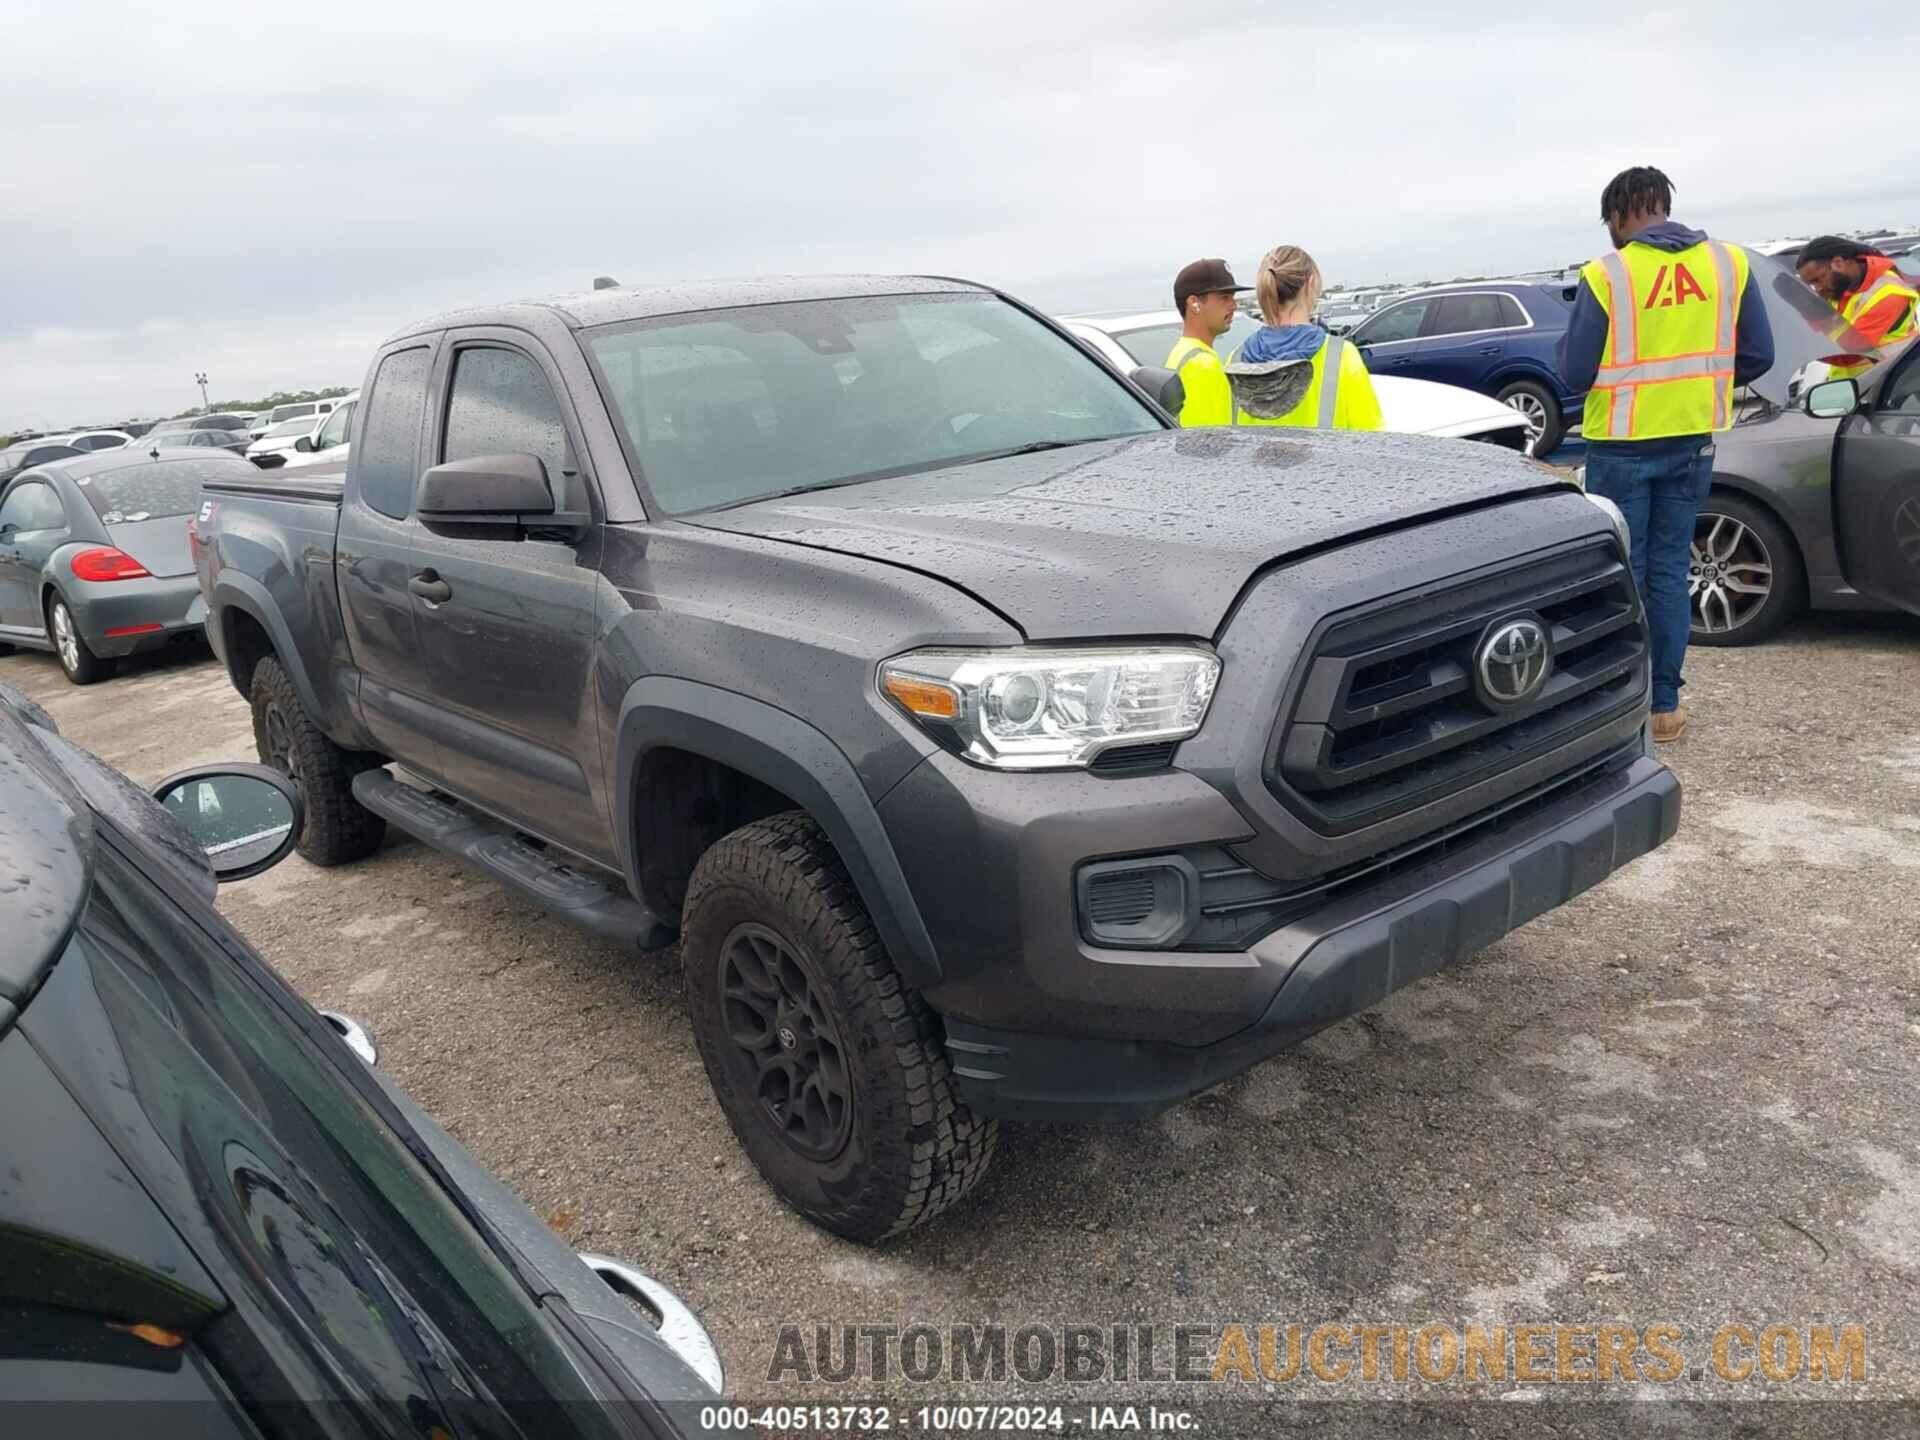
(1544, 426)
(831, 1072)
(338, 828)
(77, 662)
(1745, 578)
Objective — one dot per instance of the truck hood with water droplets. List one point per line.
(1151, 536)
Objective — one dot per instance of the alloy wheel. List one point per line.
(1532, 411)
(787, 1051)
(281, 754)
(1729, 573)
(64, 637)
(1906, 533)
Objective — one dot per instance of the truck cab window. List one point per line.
(501, 404)
(388, 463)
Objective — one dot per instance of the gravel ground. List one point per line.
(1685, 1098)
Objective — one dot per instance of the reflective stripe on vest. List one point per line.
(1624, 373)
(1886, 287)
(1334, 355)
(1198, 349)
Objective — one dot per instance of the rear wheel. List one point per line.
(338, 828)
(1744, 577)
(1540, 410)
(81, 665)
(831, 1072)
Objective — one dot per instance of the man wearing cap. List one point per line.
(1203, 293)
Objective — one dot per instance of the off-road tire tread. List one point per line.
(947, 1149)
(338, 829)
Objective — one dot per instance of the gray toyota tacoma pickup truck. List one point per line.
(995, 749)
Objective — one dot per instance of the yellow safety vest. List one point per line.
(1340, 397)
(1209, 398)
(1668, 366)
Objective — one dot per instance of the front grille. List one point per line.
(1386, 717)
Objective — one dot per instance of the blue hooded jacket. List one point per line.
(1281, 342)
(1585, 343)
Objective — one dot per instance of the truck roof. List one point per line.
(643, 302)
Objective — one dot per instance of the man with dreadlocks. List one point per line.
(1663, 327)
(1864, 286)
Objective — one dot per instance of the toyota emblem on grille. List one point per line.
(1512, 661)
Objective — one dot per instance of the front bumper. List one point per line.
(172, 606)
(1198, 1018)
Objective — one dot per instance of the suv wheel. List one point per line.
(1541, 411)
(830, 1071)
(81, 665)
(338, 828)
(1744, 578)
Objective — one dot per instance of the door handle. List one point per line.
(430, 587)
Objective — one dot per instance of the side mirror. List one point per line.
(304, 445)
(1833, 399)
(246, 817)
(1164, 387)
(486, 490)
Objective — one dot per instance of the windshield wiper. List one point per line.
(1034, 447)
(785, 494)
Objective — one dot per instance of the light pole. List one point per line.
(200, 379)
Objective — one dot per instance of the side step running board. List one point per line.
(588, 900)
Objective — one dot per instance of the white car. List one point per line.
(280, 414)
(279, 444)
(90, 439)
(1411, 407)
(330, 440)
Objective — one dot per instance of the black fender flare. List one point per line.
(250, 598)
(781, 750)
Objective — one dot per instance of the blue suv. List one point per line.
(1499, 337)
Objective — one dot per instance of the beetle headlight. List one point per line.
(1044, 709)
(1612, 512)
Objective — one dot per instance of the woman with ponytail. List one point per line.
(1290, 371)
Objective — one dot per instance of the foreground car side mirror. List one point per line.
(247, 818)
(1833, 399)
(1163, 387)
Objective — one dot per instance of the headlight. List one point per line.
(1042, 709)
(1612, 512)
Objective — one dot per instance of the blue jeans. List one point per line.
(1659, 487)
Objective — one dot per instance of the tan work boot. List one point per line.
(1670, 724)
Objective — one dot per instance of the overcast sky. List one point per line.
(264, 193)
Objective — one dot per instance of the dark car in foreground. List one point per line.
(1809, 510)
(94, 556)
(1500, 337)
(216, 1214)
(996, 748)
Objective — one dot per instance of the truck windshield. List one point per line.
(735, 405)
